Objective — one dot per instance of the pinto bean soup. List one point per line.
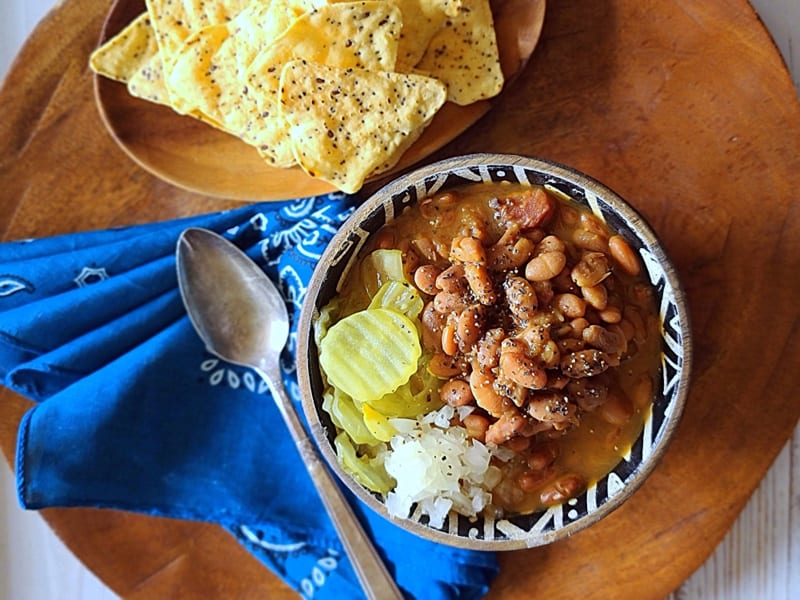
(535, 316)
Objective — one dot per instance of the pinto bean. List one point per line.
(556, 381)
(588, 393)
(603, 339)
(541, 346)
(445, 366)
(621, 335)
(467, 250)
(476, 426)
(456, 392)
(570, 344)
(623, 254)
(633, 316)
(596, 296)
(482, 385)
(611, 314)
(570, 305)
(518, 444)
(562, 489)
(528, 481)
(591, 269)
(426, 248)
(590, 222)
(509, 425)
(520, 368)
(469, 326)
(449, 341)
(510, 252)
(551, 407)
(480, 282)
(590, 240)
(586, 363)
(425, 278)
(541, 456)
(431, 207)
(563, 283)
(450, 302)
(432, 322)
(544, 291)
(578, 325)
(511, 390)
(521, 297)
(551, 243)
(452, 279)
(488, 349)
(545, 266)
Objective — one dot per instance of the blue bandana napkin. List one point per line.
(134, 414)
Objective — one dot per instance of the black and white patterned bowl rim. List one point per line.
(671, 389)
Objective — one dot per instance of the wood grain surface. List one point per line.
(684, 108)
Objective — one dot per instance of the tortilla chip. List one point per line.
(210, 66)
(132, 57)
(354, 34)
(347, 124)
(421, 20)
(121, 56)
(175, 20)
(464, 55)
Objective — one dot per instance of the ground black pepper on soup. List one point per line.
(494, 349)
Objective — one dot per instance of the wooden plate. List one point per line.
(197, 157)
(684, 108)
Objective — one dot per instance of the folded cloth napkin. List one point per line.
(133, 413)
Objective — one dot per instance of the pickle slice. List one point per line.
(377, 424)
(347, 416)
(368, 472)
(400, 296)
(370, 353)
(380, 267)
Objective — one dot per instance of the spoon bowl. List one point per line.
(238, 312)
(242, 318)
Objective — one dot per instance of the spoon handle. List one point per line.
(375, 579)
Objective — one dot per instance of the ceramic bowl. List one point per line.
(670, 392)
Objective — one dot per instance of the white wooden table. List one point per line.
(759, 559)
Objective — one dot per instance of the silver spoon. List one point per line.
(240, 315)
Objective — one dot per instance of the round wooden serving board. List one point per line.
(684, 108)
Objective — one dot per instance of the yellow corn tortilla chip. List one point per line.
(463, 54)
(421, 20)
(347, 124)
(121, 56)
(209, 68)
(353, 34)
(132, 57)
(175, 20)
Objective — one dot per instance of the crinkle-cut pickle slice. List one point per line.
(370, 353)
